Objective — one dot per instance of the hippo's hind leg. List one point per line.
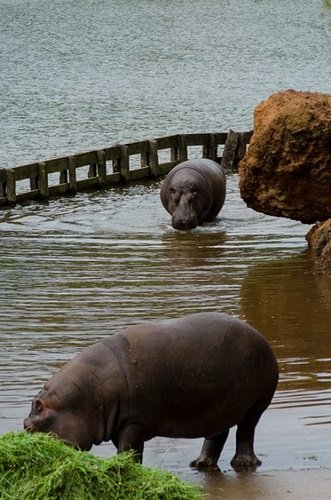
(210, 452)
(245, 458)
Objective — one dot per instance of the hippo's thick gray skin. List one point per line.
(193, 192)
(191, 377)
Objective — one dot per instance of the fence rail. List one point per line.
(119, 163)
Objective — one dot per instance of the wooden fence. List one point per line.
(116, 164)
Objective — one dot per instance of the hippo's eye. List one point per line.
(172, 191)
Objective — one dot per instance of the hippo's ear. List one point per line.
(38, 405)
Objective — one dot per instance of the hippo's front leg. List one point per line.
(131, 438)
(210, 452)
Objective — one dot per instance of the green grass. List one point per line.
(40, 467)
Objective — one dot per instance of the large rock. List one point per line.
(319, 243)
(287, 169)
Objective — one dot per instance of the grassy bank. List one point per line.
(41, 467)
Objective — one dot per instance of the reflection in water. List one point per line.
(291, 305)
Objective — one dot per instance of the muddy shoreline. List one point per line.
(273, 485)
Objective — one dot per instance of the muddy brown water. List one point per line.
(76, 269)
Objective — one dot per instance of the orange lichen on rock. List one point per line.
(287, 169)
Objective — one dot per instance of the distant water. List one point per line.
(80, 75)
(83, 74)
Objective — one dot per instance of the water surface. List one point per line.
(78, 269)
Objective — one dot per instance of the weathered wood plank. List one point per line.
(102, 167)
(230, 148)
(113, 152)
(170, 141)
(72, 174)
(124, 163)
(3, 183)
(11, 185)
(221, 137)
(116, 159)
(182, 148)
(209, 149)
(87, 158)
(140, 173)
(43, 180)
(2, 189)
(164, 168)
(26, 171)
(3, 174)
(196, 139)
(56, 164)
(153, 158)
(138, 147)
(241, 148)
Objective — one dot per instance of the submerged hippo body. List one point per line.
(191, 377)
(193, 192)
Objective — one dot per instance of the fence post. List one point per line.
(230, 149)
(153, 158)
(241, 147)
(210, 149)
(2, 189)
(102, 167)
(11, 185)
(72, 175)
(182, 148)
(43, 180)
(116, 159)
(124, 163)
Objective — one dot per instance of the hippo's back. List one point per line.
(203, 362)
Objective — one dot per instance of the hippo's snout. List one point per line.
(184, 216)
(184, 222)
(26, 424)
(30, 426)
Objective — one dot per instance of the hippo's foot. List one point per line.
(245, 462)
(204, 464)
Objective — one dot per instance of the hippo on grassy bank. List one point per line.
(193, 192)
(195, 376)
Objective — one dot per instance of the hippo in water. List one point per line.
(193, 192)
(195, 376)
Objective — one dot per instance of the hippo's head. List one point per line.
(186, 201)
(71, 426)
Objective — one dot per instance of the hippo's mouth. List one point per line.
(28, 425)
